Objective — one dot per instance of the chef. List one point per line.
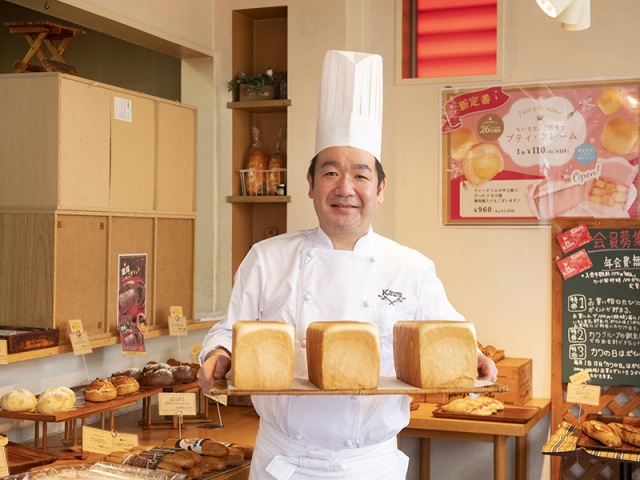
(341, 270)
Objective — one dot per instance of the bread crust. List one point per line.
(100, 390)
(602, 432)
(627, 433)
(125, 385)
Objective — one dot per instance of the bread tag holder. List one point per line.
(104, 442)
(177, 404)
(177, 323)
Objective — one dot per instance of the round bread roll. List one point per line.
(152, 366)
(483, 162)
(100, 390)
(129, 372)
(125, 385)
(619, 136)
(18, 400)
(183, 373)
(161, 377)
(610, 101)
(56, 400)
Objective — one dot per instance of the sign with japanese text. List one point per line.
(601, 307)
(525, 154)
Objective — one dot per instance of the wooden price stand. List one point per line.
(592, 313)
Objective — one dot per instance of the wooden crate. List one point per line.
(516, 373)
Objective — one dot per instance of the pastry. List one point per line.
(100, 390)
(125, 385)
(482, 406)
(483, 162)
(610, 101)
(602, 432)
(18, 400)
(461, 140)
(56, 400)
(343, 355)
(619, 136)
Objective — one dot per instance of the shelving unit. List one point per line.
(259, 42)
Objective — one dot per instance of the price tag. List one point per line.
(104, 442)
(176, 404)
(580, 377)
(4, 355)
(80, 343)
(583, 394)
(178, 326)
(4, 465)
(75, 326)
(175, 311)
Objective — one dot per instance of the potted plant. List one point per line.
(253, 87)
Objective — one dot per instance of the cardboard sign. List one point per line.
(178, 326)
(104, 442)
(583, 394)
(177, 404)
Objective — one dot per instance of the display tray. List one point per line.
(21, 458)
(508, 415)
(386, 386)
(585, 441)
(25, 339)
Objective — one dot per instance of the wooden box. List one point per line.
(25, 339)
(516, 373)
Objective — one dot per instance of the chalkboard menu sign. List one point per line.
(596, 285)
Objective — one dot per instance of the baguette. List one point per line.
(601, 432)
(628, 433)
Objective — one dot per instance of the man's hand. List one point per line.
(215, 366)
(487, 369)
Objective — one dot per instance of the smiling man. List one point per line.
(341, 270)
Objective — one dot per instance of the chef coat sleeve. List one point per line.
(246, 302)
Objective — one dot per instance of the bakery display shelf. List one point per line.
(259, 199)
(508, 415)
(386, 386)
(586, 442)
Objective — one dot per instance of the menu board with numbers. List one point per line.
(596, 304)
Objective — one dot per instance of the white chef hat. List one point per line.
(350, 106)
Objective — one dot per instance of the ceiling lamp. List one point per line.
(574, 15)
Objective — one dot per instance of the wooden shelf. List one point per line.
(261, 106)
(259, 199)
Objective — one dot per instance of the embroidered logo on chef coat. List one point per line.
(391, 296)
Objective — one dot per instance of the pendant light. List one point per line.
(573, 15)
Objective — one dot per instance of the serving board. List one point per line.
(386, 386)
(21, 459)
(585, 441)
(508, 415)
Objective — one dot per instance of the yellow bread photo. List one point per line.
(483, 162)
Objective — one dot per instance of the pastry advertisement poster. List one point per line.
(525, 154)
(132, 292)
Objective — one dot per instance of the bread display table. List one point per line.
(81, 411)
(425, 426)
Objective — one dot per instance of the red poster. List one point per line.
(132, 292)
(526, 154)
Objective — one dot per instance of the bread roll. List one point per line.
(18, 400)
(158, 377)
(129, 372)
(602, 432)
(125, 385)
(100, 390)
(262, 355)
(610, 101)
(183, 373)
(343, 355)
(434, 354)
(619, 136)
(483, 162)
(56, 400)
(461, 140)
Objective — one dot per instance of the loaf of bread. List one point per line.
(129, 372)
(343, 355)
(262, 355)
(627, 433)
(434, 354)
(483, 162)
(183, 373)
(619, 135)
(602, 432)
(157, 377)
(18, 400)
(100, 390)
(56, 400)
(125, 385)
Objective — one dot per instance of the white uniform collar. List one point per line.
(321, 240)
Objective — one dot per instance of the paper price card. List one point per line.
(104, 442)
(175, 311)
(178, 326)
(176, 404)
(4, 465)
(580, 377)
(80, 343)
(583, 394)
(4, 355)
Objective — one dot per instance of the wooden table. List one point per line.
(425, 426)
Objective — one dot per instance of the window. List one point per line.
(449, 38)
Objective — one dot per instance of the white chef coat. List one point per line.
(299, 278)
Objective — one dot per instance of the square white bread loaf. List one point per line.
(434, 354)
(262, 355)
(343, 355)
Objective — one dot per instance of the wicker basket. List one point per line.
(263, 182)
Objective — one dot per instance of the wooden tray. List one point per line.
(585, 441)
(386, 386)
(508, 415)
(21, 459)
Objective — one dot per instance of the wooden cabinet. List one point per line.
(259, 42)
(90, 172)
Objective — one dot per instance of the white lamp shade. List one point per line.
(581, 22)
(553, 8)
(572, 13)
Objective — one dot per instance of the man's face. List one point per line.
(345, 191)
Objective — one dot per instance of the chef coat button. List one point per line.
(303, 344)
(297, 436)
(307, 296)
(311, 253)
(367, 304)
(348, 444)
